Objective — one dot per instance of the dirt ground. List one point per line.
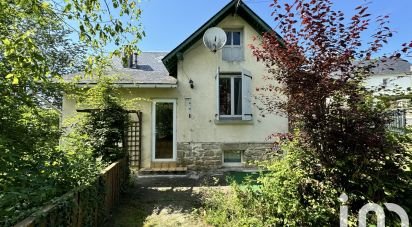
(160, 201)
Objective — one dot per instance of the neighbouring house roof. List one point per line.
(241, 9)
(150, 72)
(385, 66)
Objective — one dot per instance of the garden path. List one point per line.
(159, 201)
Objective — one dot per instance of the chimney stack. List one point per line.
(132, 61)
(135, 60)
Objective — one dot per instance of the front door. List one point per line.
(164, 130)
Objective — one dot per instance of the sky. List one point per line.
(167, 23)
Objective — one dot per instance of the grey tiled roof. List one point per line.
(150, 70)
(391, 66)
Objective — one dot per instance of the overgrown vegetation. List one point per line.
(35, 51)
(279, 197)
(46, 169)
(105, 120)
(342, 144)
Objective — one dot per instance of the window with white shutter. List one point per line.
(233, 50)
(234, 96)
(217, 94)
(246, 95)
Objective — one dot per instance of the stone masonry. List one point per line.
(207, 156)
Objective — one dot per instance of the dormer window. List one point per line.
(233, 50)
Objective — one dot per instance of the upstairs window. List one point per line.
(234, 96)
(233, 49)
(230, 95)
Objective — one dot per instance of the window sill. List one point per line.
(223, 121)
(233, 165)
(234, 61)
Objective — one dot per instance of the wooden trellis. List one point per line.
(134, 141)
(133, 137)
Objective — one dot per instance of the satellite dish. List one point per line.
(214, 38)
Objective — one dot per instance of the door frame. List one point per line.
(155, 101)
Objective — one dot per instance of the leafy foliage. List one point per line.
(107, 120)
(46, 169)
(280, 196)
(35, 50)
(107, 129)
(343, 145)
(33, 168)
(322, 63)
(96, 25)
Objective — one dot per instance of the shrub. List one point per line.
(296, 190)
(106, 120)
(280, 198)
(320, 67)
(34, 168)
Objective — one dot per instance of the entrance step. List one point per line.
(167, 168)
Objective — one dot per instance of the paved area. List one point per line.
(161, 201)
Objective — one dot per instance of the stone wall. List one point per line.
(203, 156)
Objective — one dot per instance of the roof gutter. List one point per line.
(131, 85)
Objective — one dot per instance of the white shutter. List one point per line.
(246, 95)
(237, 53)
(233, 53)
(217, 115)
(227, 53)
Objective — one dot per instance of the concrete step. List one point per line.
(163, 168)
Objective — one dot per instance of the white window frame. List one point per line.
(232, 94)
(246, 80)
(231, 37)
(233, 164)
(240, 46)
(154, 159)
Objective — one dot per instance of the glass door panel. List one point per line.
(164, 130)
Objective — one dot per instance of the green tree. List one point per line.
(35, 50)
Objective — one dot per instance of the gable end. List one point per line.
(170, 60)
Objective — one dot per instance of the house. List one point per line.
(392, 78)
(201, 113)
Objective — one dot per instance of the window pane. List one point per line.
(236, 38)
(229, 38)
(224, 96)
(164, 131)
(238, 96)
(232, 156)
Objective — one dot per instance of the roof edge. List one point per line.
(172, 55)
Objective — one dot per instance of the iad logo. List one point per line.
(372, 207)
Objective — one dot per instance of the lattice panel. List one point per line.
(133, 143)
